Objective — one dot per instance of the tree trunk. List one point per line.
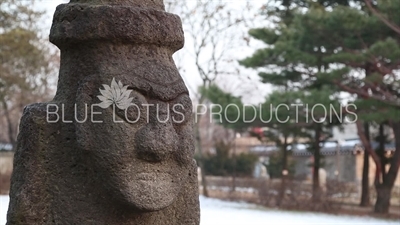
(234, 175)
(282, 189)
(383, 193)
(200, 161)
(10, 128)
(381, 149)
(316, 190)
(384, 188)
(365, 198)
(383, 184)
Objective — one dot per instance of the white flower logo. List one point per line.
(115, 94)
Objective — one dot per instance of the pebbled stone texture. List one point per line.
(115, 172)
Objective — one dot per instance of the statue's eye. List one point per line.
(136, 111)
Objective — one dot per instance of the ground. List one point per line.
(221, 212)
(218, 212)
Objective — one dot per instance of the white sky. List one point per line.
(251, 90)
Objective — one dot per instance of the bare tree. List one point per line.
(26, 63)
(214, 31)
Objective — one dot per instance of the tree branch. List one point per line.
(394, 27)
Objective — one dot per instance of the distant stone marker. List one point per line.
(115, 146)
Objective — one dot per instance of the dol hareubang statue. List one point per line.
(86, 158)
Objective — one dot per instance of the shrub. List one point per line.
(275, 166)
(222, 163)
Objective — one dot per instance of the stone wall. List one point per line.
(253, 189)
(345, 164)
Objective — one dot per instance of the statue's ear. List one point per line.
(32, 159)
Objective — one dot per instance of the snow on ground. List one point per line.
(3, 208)
(217, 212)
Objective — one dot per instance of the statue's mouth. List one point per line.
(154, 176)
(158, 179)
(152, 191)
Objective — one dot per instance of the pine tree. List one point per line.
(25, 62)
(363, 42)
(293, 60)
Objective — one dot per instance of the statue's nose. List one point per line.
(155, 141)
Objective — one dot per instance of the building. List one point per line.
(6, 147)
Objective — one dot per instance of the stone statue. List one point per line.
(115, 146)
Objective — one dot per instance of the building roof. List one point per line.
(347, 147)
(5, 147)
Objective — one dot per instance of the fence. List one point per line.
(297, 193)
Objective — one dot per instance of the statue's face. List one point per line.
(143, 153)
